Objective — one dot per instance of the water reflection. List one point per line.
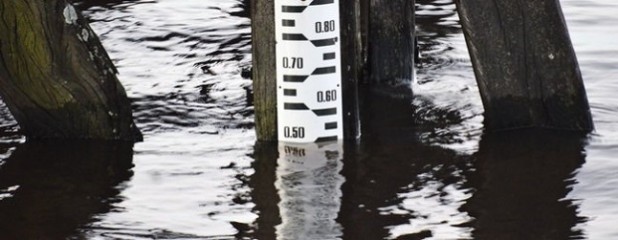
(437, 26)
(514, 187)
(521, 180)
(299, 192)
(53, 188)
(181, 63)
(395, 186)
(118, 4)
(9, 131)
(264, 193)
(308, 183)
(446, 86)
(398, 187)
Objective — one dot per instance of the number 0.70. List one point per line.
(293, 62)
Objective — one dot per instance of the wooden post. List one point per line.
(56, 78)
(264, 69)
(390, 42)
(352, 64)
(525, 64)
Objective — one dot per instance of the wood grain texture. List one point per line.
(264, 69)
(352, 64)
(525, 65)
(390, 43)
(57, 80)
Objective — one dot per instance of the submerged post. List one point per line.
(351, 66)
(525, 64)
(390, 43)
(56, 78)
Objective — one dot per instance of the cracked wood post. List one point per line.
(55, 76)
(525, 64)
(264, 69)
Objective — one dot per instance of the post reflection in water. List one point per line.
(297, 191)
(309, 186)
(52, 189)
(515, 187)
(522, 180)
(398, 187)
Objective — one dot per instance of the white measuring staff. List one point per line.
(309, 95)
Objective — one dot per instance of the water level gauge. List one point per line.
(309, 97)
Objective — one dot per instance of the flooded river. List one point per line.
(423, 170)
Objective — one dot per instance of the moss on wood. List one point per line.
(56, 78)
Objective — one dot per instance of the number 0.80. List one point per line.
(326, 26)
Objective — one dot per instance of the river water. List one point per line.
(424, 169)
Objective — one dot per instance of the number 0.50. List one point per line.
(294, 132)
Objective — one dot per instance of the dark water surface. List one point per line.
(423, 170)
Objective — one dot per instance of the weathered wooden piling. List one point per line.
(390, 43)
(352, 65)
(525, 64)
(56, 78)
(264, 69)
